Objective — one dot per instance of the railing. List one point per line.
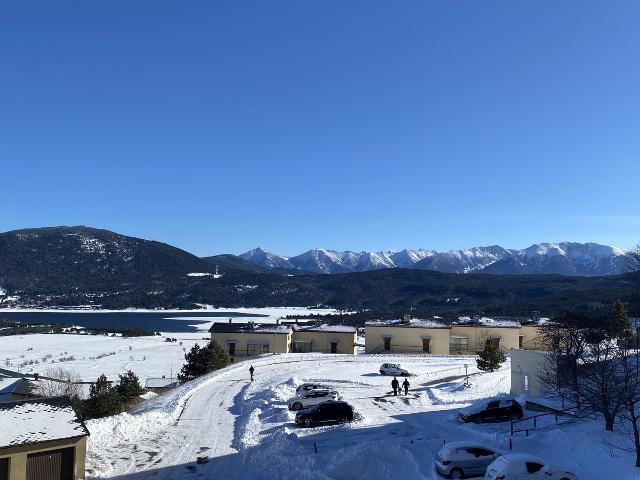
(400, 349)
(571, 413)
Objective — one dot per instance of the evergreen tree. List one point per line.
(103, 400)
(621, 325)
(490, 359)
(200, 361)
(129, 387)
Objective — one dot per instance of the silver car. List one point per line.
(464, 459)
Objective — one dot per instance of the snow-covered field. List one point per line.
(91, 355)
(247, 432)
(148, 357)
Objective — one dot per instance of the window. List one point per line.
(494, 404)
(253, 349)
(520, 340)
(334, 347)
(533, 467)
(387, 343)
(426, 345)
(496, 341)
(459, 344)
(301, 347)
(232, 349)
(483, 452)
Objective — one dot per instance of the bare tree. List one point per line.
(58, 381)
(582, 366)
(630, 366)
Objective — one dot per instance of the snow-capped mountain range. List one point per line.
(566, 258)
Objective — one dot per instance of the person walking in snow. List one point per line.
(251, 372)
(405, 384)
(395, 385)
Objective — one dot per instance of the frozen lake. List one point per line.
(169, 321)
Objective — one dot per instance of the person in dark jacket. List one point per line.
(251, 372)
(395, 385)
(405, 384)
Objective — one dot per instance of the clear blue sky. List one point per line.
(218, 126)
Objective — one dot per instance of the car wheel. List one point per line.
(296, 406)
(456, 473)
(308, 422)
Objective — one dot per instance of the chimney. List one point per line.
(407, 318)
(296, 320)
(277, 321)
(250, 324)
(229, 321)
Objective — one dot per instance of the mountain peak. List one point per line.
(567, 258)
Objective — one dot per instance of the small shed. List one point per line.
(160, 385)
(42, 439)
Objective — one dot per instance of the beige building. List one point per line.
(250, 339)
(323, 338)
(407, 336)
(42, 439)
(530, 337)
(468, 336)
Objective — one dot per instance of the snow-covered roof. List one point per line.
(41, 420)
(9, 384)
(249, 328)
(161, 382)
(19, 385)
(413, 323)
(324, 328)
(487, 322)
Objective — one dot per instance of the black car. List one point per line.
(499, 409)
(325, 413)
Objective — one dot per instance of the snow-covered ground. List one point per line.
(247, 432)
(148, 357)
(91, 355)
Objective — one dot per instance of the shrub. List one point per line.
(490, 359)
(103, 400)
(200, 361)
(129, 388)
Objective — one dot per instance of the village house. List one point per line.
(407, 336)
(46, 440)
(323, 338)
(468, 335)
(251, 339)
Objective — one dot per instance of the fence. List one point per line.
(571, 413)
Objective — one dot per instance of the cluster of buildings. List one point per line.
(251, 339)
(465, 336)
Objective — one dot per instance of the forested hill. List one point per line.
(65, 266)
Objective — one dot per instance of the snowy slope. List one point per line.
(247, 432)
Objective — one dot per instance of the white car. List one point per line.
(305, 387)
(311, 398)
(521, 466)
(393, 369)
